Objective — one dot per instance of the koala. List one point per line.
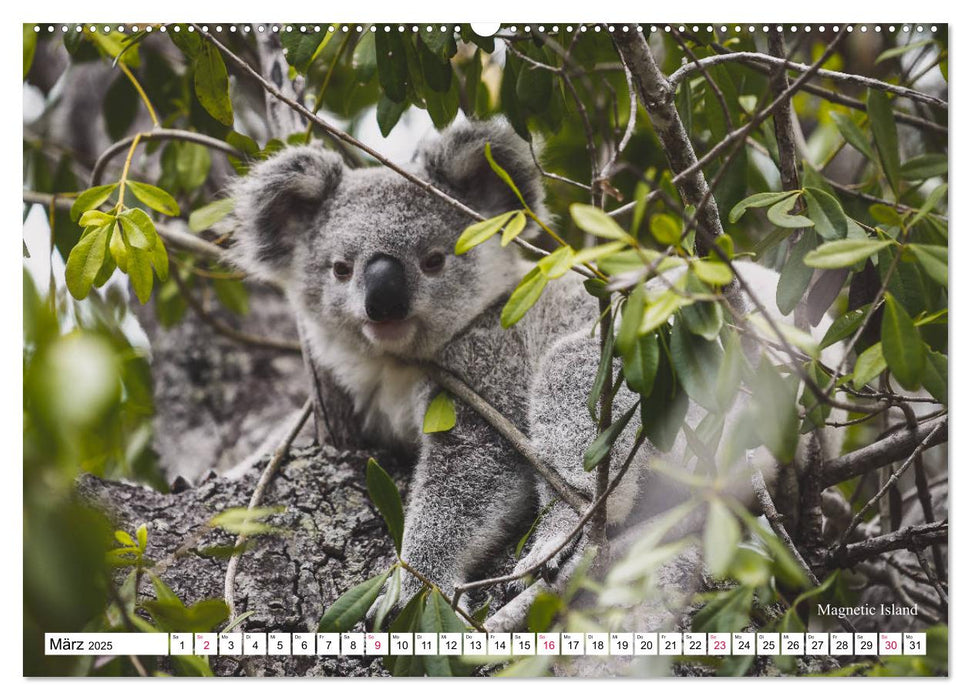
(367, 261)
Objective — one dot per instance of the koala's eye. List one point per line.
(433, 262)
(343, 270)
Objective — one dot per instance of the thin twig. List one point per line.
(159, 135)
(934, 580)
(836, 76)
(268, 473)
(504, 426)
(919, 450)
(229, 331)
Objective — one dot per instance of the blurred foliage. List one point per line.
(871, 206)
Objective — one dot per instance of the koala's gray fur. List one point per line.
(301, 212)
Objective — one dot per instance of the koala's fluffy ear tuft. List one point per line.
(457, 160)
(276, 204)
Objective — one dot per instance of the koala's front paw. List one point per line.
(554, 565)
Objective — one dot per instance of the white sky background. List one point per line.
(758, 11)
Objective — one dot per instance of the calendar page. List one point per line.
(429, 348)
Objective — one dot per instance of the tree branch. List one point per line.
(849, 78)
(918, 536)
(897, 445)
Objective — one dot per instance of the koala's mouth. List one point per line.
(390, 333)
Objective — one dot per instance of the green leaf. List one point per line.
(640, 365)
(140, 273)
(729, 372)
(85, 260)
(160, 260)
(666, 229)
(630, 321)
(924, 167)
(901, 50)
(903, 347)
(880, 111)
(825, 211)
(303, 47)
(779, 214)
(660, 309)
(796, 275)
(442, 106)
(364, 59)
(30, 47)
(852, 133)
(534, 88)
(601, 446)
(142, 534)
(721, 538)
(124, 538)
(777, 418)
(704, 318)
(94, 217)
(932, 199)
(513, 228)
(391, 597)
(192, 164)
(604, 368)
(933, 258)
(91, 199)
(844, 253)
(207, 216)
(696, 362)
(212, 84)
(481, 231)
(392, 65)
(172, 615)
(388, 113)
(526, 293)
(233, 295)
(440, 415)
(351, 607)
(757, 201)
(844, 326)
(408, 620)
(139, 229)
(663, 412)
(714, 272)
(439, 618)
(935, 375)
(154, 197)
(594, 221)
(503, 175)
(384, 494)
(869, 364)
(246, 521)
(557, 263)
(586, 255)
(728, 611)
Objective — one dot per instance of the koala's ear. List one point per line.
(276, 203)
(457, 160)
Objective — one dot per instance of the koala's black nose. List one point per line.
(385, 289)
